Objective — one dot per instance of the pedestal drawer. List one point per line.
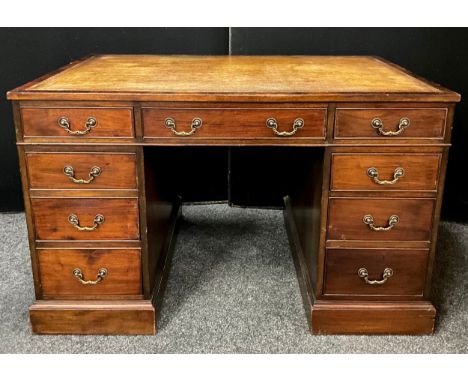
(85, 218)
(383, 172)
(77, 123)
(85, 272)
(379, 219)
(375, 272)
(391, 123)
(297, 122)
(81, 170)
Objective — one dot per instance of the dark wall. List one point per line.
(435, 53)
(438, 54)
(27, 53)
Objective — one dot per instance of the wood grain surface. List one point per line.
(235, 122)
(409, 272)
(89, 317)
(330, 317)
(345, 221)
(349, 171)
(356, 123)
(57, 265)
(111, 122)
(51, 218)
(45, 170)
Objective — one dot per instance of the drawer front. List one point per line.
(52, 218)
(346, 219)
(348, 269)
(81, 171)
(382, 172)
(358, 123)
(107, 271)
(81, 123)
(235, 123)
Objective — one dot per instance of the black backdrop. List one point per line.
(436, 53)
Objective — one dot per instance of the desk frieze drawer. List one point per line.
(225, 123)
(81, 170)
(85, 218)
(80, 123)
(375, 272)
(390, 123)
(84, 272)
(380, 219)
(385, 172)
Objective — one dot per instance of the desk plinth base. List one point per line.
(103, 317)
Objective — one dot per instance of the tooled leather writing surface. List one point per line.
(234, 74)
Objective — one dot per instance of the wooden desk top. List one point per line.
(232, 78)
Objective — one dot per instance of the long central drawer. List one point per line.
(242, 122)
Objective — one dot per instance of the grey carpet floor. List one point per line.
(232, 289)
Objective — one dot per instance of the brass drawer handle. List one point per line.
(374, 174)
(65, 123)
(297, 124)
(392, 222)
(402, 125)
(171, 124)
(364, 274)
(100, 276)
(93, 173)
(98, 220)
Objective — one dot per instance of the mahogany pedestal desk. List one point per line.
(357, 146)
